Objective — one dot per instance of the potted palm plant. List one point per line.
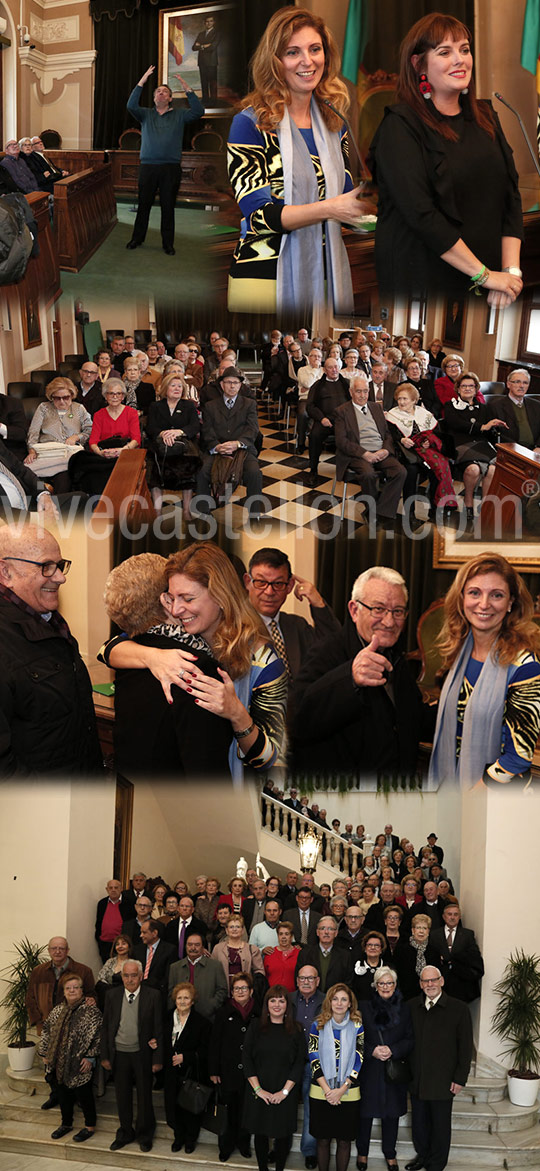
(13, 1004)
(517, 1022)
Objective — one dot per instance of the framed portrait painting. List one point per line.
(197, 41)
(455, 316)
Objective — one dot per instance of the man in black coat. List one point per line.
(441, 1061)
(334, 964)
(461, 962)
(359, 710)
(253, 906)
(90, 388)
(351, 931)
(380, 391)
(156, 957)
(117, 910)
(47, 719)
(521, 415)
(432, 904)
(132, 1047)
(46, 172)
(206, 45)
(325, 396)
(178, 930)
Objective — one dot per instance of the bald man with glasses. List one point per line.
(47, 720)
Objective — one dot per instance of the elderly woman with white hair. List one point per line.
(59, 429)
(115, 429)
(388, 1041)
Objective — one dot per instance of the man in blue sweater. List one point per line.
(161, 151)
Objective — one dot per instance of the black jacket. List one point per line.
(226, 1046)
(463, 966)
(12, 414)
(47, 720)
(126, 911)
(443, 1047)
(149, 1025)
(340, 968)
(340, 728)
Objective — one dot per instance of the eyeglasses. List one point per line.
(386, 984)
(61, 398)
(306, 979)
(260, 584)
(48, 568)
(399, 612)
(431, 980)
(193, 351)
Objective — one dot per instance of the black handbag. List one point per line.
(193, 1096)
(397, 1070)
(215, 1117)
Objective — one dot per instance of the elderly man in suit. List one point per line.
(461, 962)
(304, 919)
(206, 975)
(269, 581)
(364, 447)
(178, 930)
(132, 1047)
(230, 425)
(521, 415)
(334, 964)
(441, 1061)
(380, 391)
(111, 914)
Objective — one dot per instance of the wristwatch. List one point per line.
(284, 1092)
(513, 270)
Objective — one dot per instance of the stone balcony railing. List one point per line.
(286, 823)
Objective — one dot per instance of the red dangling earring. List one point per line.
(424, 86)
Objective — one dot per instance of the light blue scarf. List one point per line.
(300, 270)
(335, 1074)
(482, 724)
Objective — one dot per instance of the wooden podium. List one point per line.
(517, 472)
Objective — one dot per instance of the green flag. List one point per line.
(356, 39)
(530, 42)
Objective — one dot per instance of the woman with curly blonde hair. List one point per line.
(206, 601)
(288, 165)
(489, 711)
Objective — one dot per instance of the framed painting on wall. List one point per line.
(31, 324)
(197, 41)
(455, 316)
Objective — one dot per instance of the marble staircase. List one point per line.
(487, 1132)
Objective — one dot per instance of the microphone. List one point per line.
(363, 169)
(533, 155)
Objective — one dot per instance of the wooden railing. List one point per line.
(84, 214)
(279, 819)
(126, 496)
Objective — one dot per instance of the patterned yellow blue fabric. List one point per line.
(521, 724)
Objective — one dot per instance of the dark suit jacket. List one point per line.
(463, 967)
(38, 165)
(443, 1047)
(340, 969)
(434, 912)
(150, 1024)
(239, 422)
(12, 414)
(184, 417)
(172, 931)
(389, 390)
(348, 446)
(248, 910)
(500, 407)
(26, 477)
(299, 636)
(162, 959)
(126, 911)
(208, 978)
(293, 916)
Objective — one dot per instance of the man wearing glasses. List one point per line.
(269, 582)
(47, 721)
(441, 1061)
(359, 710)
(306, 1004)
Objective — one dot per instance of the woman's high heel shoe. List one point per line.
(361, 1163)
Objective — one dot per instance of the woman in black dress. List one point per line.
(187, 1035)
(274, 1059)
(336, 1046)
(226, 1062)
(373, 946)
(411, 957)
(449, 214)
(473, 433)
(387, 1033)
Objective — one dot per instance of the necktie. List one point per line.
(379, 395)
(429, 1004)
(149, 957)
(229, 402)
(181, 941)
(364, 410)
(191, 971)
(303, 933)
(450, 938)
(279, 645)
(131, 997)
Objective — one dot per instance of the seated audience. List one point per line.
(364, 448)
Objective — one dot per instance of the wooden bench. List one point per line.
(84, 215)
